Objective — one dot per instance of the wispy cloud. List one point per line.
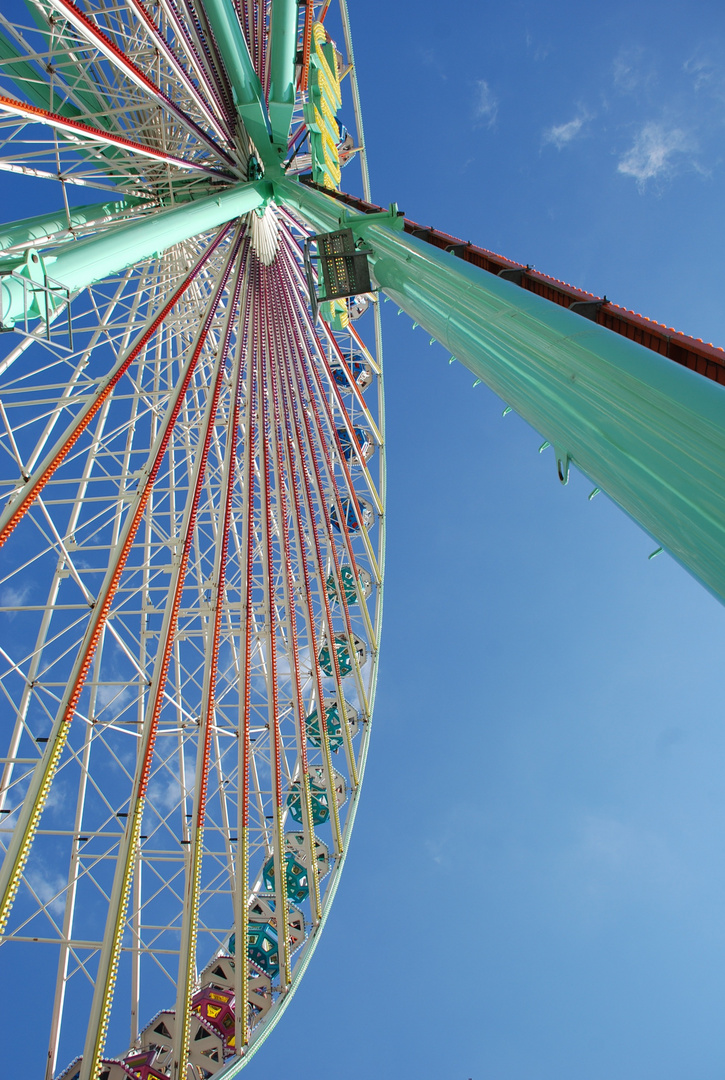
(49, 889)
(539, 49)
(112, 700)
(653, 152)
(632, 70)
(701, 70)
(12, 597)
(485, 104)
(559, 135)
(431, 59)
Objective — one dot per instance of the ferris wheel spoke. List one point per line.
(76, 131)
(198, 33)
(269, 634)
(217, 123)
(35, 483)
(343, 514)
(304, 323)
(118, 901)
(89, 181)
(284, 465)
(91, 33)
(228, 483)
(342, 510)
(184, 34)
(189, 926)
(43, 775)
(244, 537)
(328, 634)
(290, 561)
(319, 576)
(74, 870)
(311, 330)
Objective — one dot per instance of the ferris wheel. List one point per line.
(193, 484)
(193, 493)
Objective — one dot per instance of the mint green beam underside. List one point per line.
(246, 87)
(32, 84)
(645, 430)
(27, 77)
(282, 58)
(86, 261)
(38, 228)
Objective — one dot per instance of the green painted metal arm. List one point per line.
(645, 430)
(38, 228)
(283, 55)
(37, 90)
(30, 82)
(246, 87)
(81, 263)
(25, 76)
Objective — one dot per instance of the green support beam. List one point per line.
(246, 87)
(282, 58)
(33, 83)
(645, 430)
(80, 264)
(39, 228)
(27, 78)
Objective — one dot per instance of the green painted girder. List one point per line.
(82, 263)
(645, 430)
(246, 87)
(32, 81)
(36, 229)
(27, 78)
(282, 59)
(32, 85)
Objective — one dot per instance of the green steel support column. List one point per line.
(645, 430)
(282, 58)
(33, 229)
(81, 263)
(246, 87)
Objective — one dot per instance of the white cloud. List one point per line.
(111, 701)
(49, 889)
(431, 59)
(485, 104)
(701, 70)
(632, 70)
(14, 597)
(652, 152)
(561, 134)
(165, 788)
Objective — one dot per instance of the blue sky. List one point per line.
(537, 880)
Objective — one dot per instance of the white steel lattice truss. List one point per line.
(190, 573)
